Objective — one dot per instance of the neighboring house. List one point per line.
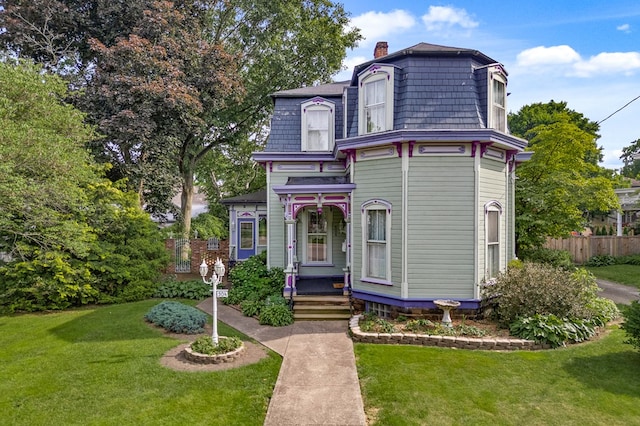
(629, 216)
(398, 183)
(247, 225)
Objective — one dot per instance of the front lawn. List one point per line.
(101, 366)
(588, 384)
(623, 274)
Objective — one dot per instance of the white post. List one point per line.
(216, 278)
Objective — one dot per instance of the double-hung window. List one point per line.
(318, 125)
(316, 226)
(376, 246)
(493, 213)
(375, 98)
(497, 101)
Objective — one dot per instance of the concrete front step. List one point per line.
(314, 308)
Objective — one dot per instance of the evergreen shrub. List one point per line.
(177, 317)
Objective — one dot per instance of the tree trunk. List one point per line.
(187, 199)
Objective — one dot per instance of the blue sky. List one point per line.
(586, 53)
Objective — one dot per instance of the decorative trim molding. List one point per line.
(373, 154)
(296, 167)
(442, 150)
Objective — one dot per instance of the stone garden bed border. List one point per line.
(199, 358)
(458, 342)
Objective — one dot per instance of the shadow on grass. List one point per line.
(615, 372)
(109, 323)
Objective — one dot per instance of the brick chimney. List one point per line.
(381, 49)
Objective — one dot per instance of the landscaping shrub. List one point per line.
(540, 289)
(204, 345)
(551, 329)
(251, 308)
(193, 289)
(557, 258)
(258, 291)
(602, 260)
(631, 324)
(276, 315)
(177, 317)
(602, 311)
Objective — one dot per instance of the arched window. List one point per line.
(376, 243)
(375, 99)
(493, 226)
(318, 125)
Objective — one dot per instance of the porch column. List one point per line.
(290, 271)
(347, 268)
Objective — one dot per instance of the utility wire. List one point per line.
(618, 110)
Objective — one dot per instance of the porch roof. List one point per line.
(315, 184)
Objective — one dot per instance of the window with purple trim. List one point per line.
(376, 99)
(317, 223)
(498, 101)
(318, 125)
(376, 247)
(493, 213)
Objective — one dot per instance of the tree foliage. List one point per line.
(631, 159)
(67, 235)
(562, 185)
(170, 82)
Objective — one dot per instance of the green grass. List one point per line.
(100, 366)
(590, 384)
(623, 274)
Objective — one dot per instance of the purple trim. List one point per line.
(500, 139)
(314, 189)
(484, 146)
(411, 144)
(398, 148)
(425, 303)
(309, 198)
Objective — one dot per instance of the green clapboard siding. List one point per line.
(441, 227)
(492, 188)
(378, 179)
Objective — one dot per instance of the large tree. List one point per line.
(269, 46)
(562, 185)
(631, 159)
(67, 235)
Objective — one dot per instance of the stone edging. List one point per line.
(199, 358)
(458, 342)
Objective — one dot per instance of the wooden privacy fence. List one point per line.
(583, 248)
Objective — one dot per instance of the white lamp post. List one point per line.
(216, 278)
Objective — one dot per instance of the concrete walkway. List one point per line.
(318, 381)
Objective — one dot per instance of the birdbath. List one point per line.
(446, 306)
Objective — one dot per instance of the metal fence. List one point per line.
(583, 248)
(183, 255)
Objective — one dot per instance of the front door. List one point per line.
(246, 238)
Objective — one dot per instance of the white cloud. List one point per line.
(566, 61)
(375, 26)
(626, 28)
(541, 55)
(626, 63)
(440, 18)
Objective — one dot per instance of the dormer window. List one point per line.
(318, 125)
(498, 100)
(376, 99)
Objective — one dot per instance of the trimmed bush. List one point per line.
(631, 324)
(540, 289)
(173, 289)
(177, 317)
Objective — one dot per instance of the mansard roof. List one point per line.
(330, 89)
